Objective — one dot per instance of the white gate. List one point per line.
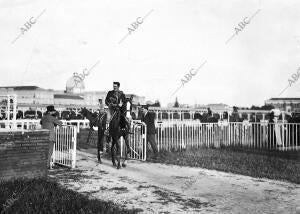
(64, 151)
(137, 142)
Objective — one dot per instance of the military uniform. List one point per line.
(112, 100)
(114, 97)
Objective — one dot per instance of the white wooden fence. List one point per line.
(182, 134)
(25, 124)
(77, 123)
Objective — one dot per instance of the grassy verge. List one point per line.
(46, 196)
(239, 162)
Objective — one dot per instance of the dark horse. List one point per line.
(118, 128)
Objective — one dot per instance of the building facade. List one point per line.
(37, 99)
(285, 104)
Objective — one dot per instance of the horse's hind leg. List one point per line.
(99, 157)
(113, 154)
(98, 154)
(100, 144)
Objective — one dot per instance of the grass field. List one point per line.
(46, 196)
(264, 165)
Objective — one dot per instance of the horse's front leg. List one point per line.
(118, 151)
(127, 150)
(112, 153)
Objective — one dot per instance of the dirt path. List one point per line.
(158, 188)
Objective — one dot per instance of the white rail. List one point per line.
(22, 124)
(137, 142)
(64, 151)
(181, 135)
(78, 123)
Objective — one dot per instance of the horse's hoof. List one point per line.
(114, 164)
(119, 167)
(99, 161)
(124, 165)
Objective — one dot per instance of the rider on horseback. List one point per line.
(115, 100)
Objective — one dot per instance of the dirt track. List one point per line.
(158, 188)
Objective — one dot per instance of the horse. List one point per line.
(120, 127)
(99, 121)
(116, 130)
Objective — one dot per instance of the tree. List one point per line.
(176, 104)
(156, 103)
(264, 107)
(267, 107)
(255, 107)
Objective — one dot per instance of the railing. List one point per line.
(19, 124)
(137, 142)
(78, 123)
(181, 135)
(25, 124)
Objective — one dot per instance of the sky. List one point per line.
(158, 57)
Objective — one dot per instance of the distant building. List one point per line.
(30, 94)
(216, 108)
(68, 99)
(285, 104)
(136, 100)
(36, 98)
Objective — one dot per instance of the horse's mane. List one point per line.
(94, 118)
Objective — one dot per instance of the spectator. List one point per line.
(148, 119)
(48, 121)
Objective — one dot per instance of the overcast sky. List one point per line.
(152, 60)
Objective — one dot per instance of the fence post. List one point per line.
(74, 141)
(145, 141)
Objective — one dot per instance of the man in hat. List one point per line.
(48, 121)
(148, 118)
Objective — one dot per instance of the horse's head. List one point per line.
(127, 107)
(85, 112)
